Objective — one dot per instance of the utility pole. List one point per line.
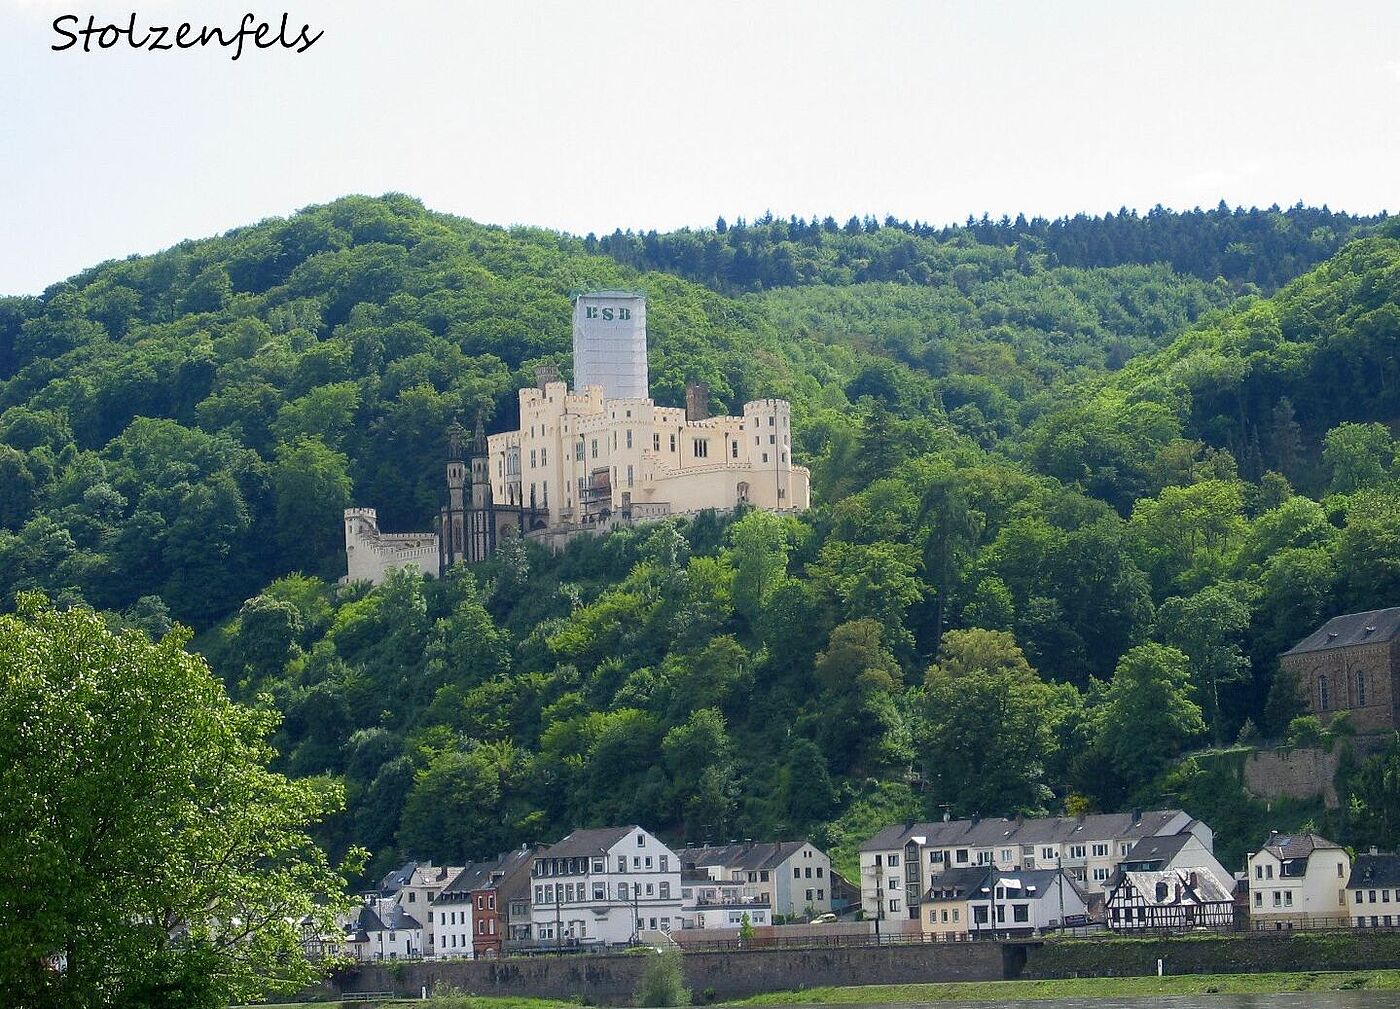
(1060, 879)
(636, 913)
(558, 919)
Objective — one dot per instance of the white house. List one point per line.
(795, 875)
(1298, 879)
(1374, 890)
(414, 888)
(1163, 899)
(1025, 902)
(604, 886)
(381, 929)
(902, 862)
(722, 903)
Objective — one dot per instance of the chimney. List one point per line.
(1079, 818)
(697, 401)
(1137, 817)
(544, 374)
(1191, 879)
(947, 816)
(1020, 819)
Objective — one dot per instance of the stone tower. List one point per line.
(453, 517)
(481, 518)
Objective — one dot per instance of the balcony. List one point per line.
(722, 900)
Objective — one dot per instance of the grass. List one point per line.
(452, 1001)
(1098, 987)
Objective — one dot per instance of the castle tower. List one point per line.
(453, 517)
(481, 518)
(610, 344)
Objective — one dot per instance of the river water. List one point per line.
(1286, 1000)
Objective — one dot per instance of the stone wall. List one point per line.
(1298, 773)
(1247, 953)
(611, 979)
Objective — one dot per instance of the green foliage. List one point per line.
(663, 980)
(138, 809)
(1070, 497)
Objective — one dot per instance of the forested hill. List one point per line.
(1259, 249)
(1029, 581)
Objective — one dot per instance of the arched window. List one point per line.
(1360, 688)
(1324, 696)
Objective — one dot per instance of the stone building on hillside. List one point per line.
(1351, 664)
(594, 459)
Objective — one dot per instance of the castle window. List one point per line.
(629, 438)
(765, 457)
(673, 443)
(770, 420)
(1324, 695)
(578, 451)
(656, 443)
(544, 457)
(733, 450)
(595, 448)
(1361, 687)
(629, 476)
(532, 458)
(702, 448)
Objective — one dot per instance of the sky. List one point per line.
(589, 116)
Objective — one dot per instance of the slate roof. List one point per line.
(1052, 830)
(1039, 883)
(1290, 846)
(958, 884)
(1351, 629)
(588, 841)
(485, 875)
(1375, 870)
(1157, 849)
(747, 856)
(398, 878)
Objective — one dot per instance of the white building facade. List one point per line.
(902, 862)
(605, 886)
(370, 554)
(794, 875)
(1298, 880)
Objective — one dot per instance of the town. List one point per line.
(1140, 872)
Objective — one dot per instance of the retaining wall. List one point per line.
(1248, 953)
(611, 979)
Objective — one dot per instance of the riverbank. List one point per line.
(1090, 987)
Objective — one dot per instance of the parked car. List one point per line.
(823, 919)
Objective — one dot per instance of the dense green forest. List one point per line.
(1065, 517)
(1248, 248)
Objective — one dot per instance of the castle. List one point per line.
(602, 456)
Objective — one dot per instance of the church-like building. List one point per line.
(601, 456)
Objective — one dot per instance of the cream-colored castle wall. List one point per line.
(652, 456)
(370, 555)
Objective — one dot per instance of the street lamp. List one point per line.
(879, 910)
(636, 913)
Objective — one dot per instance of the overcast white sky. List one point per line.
(587, 116)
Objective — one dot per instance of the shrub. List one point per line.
(663, 980)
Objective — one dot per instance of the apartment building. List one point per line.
(604, 885)
(900, 863)
(795, 875)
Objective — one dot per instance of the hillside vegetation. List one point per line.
(1064, 520)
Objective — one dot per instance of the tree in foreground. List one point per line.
(148, 857)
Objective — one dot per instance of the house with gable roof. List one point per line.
(1298, 879)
